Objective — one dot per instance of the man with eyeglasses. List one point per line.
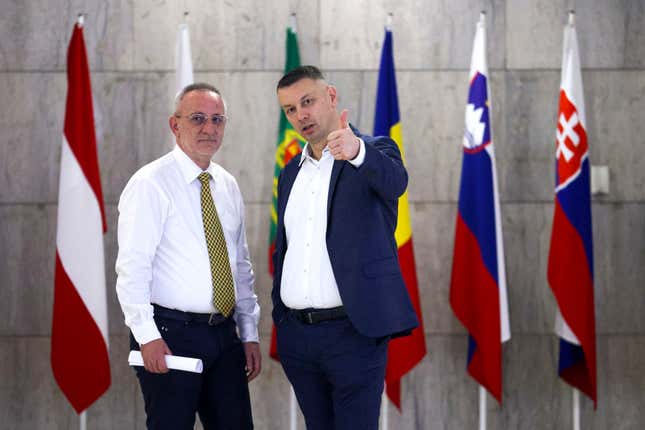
(185, 280)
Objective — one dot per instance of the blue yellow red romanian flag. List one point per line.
(570, 271)
(478, 282)
(405, 352)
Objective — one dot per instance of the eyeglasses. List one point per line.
(199, 119)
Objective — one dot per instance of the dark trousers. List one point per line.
(336, 373)
(220, 394)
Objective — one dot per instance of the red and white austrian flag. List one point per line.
(79, 343)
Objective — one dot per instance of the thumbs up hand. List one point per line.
(343, 143)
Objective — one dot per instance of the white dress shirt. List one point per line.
(307, 276)
(163, 257)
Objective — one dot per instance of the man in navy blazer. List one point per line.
(338, 293)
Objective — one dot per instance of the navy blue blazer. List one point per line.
(362, 211)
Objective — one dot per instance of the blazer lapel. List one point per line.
(335, 172)
(290, 173)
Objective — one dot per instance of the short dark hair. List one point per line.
(197, 86)
(301, 72)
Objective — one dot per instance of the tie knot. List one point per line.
(204, 177)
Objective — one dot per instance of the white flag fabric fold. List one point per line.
(183, 60)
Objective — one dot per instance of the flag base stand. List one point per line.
(482, 408)
(293, 416)
(576, 409)
(384, 411)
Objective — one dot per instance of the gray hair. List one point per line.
(198, 86)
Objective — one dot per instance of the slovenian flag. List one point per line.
(570, 271)
(478, 283)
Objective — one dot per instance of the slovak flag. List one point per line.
(478, 283)
(570, 271)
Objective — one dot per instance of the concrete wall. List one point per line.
(239, 46)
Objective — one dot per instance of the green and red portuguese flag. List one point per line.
(290, 144)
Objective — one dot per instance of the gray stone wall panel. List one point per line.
(435, 36)
(28, 235)
(243, 35)
(31, 399)
(534, 33)
(615, 101)
(438, 393)
(32, 136)
(525, 158)
(433, 232)
(432, 106)
(35, 41)
(527, 234)
(534, 397)
(619, 253)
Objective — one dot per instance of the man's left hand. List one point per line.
(253, 359)
(343, 143)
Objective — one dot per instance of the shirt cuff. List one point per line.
(248, 329)
(360, 157)
(145, 332)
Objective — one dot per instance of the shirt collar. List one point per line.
(189, 170)
(306, 154)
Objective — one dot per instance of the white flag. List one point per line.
(183, 61)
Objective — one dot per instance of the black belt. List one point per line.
(314, 316)
(174, 314)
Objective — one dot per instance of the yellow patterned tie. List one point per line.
(223, 294)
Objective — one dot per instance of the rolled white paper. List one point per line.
(176, 362)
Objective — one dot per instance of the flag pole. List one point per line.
(293, 418)
(482, 408)
(482, 391)
(292, 22)
(384, 411)
(576, 409)
(293, 422)
(82, 417)
(384, 400)
(576, 393)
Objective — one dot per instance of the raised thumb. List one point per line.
(343, 119)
